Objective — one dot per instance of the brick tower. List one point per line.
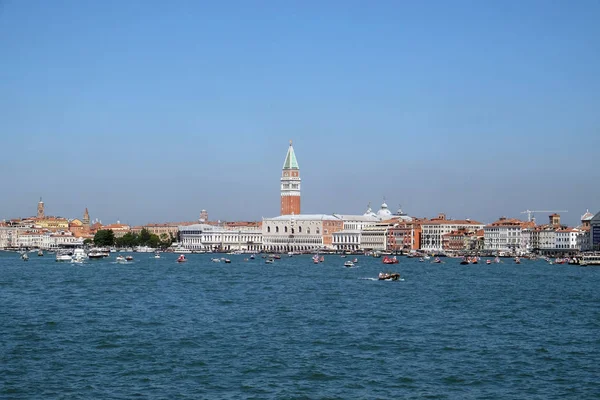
(86, 218)
(290, 184)
(40, 209)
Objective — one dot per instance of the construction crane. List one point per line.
(530, 212)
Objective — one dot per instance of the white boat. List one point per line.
(156, 255)
(215, 259)
(349, 264)
(63, 257)
(24, 257)
(79, 256)
(121, 260)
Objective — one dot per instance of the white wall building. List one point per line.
(374, 238)
(304, 232)
(208, 238)
(348, 239)
(433, 230)
(506, 235)
(568, 239)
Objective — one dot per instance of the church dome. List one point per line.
(384, 212)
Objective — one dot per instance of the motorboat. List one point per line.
(96, 254)
(121, 260)
(321, 259)
(355, 261)
(252, 256)
(290, 254)
(129, 258)
(388, 276)
(79, 256)
(181, 258)
(269, 261)
(156, 255)
(421, 259)
(517, 260)
(464, 261)
(277, 257)
(227, 261)
(63, 257)
(40, 253)
(349, 264)
(437, 260)
(24, 257)
(315, 259)
(216, 260)
(390, 260)
(488, 262)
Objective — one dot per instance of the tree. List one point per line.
(144, 237)
(154, 241)
(129, 240)
(165, 240)
(88, 241)
(104, 237)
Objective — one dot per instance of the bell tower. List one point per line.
(290, 184)
(40, 209)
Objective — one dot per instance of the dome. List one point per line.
(384, 212)
(587, 216)
(369, 212)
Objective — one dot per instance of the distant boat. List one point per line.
(156, 255)
(24, 257)
(63, 257)
(488, 262)
(349, 264)
(40, 253)
(269, 261)
(181, 258)
(252, 256)
(121, 260)
(390, 260)
(388, 276)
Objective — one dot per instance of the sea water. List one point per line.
(293, 329)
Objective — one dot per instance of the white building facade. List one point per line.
(298, 233)
(433, 230)
(209, 238)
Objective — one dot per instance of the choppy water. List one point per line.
(158, 329)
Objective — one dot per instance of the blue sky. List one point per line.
(152, 110)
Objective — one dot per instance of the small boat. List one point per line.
(290, 254)
(215, 259)
(475, 260)
(40, 253)
(156, 255)
(437, 260)
(389, 276)
(421, 259)
(315, 259)
(464, 261)
(252, 256)
(121, 260)
(497, 260)
(488, 262)
(96, 254)
(277, 257)
(63, 258)
(343, 256)
(349, 264)
(227, 261)
(517, 260)
(355, 261)
(129, 258)
(269, 261)
(181, 258)
(321, 259)
(390, 260)
(24, 257)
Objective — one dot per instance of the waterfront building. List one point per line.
(9, 236)
(209, 238)
(405, 235)
(459, 241)
(54, 224)
(435, 228)
(290, 184)
(505, 235)
(375, 237)
(349, 237)
(568, 239)
(34, 240)
(585, 237)
(304, 232)
(595, 232)
(119, 229)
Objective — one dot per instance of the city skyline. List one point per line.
(150, 114)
